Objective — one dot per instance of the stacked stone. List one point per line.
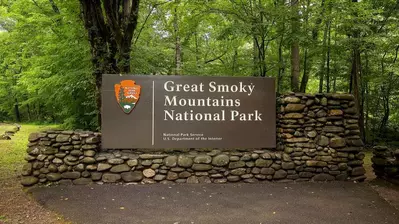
(318, 139)
(59, 156)
(319, 134)
(9, 133)
(386, 163)
(75, 158)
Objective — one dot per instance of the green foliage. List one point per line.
(13, 151)
(45, 64)
(45, 58)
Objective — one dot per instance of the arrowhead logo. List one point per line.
(127, 95)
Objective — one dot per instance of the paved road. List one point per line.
(317, 203)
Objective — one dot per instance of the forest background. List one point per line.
(53, 52)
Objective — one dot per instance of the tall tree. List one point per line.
(178, 52)
(295, 57)
(355, 75)
(110, 25)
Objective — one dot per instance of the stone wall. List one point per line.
(318, 139)
(386, 163)
(10, 132)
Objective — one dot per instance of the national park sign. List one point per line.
(188, 112)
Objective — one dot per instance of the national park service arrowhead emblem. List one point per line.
(127, 94)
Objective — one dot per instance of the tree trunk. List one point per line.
(295, 57)
(305, 77)
(110, 25)
(365, 98)
(328, 58)
(309, 60)
(197, 56)
(356, 79)
(29, 115)
(177, 41)
(323, 59)
(255, 56)
(16, 110)
(295, 68)
(235, 57)
(281, 67)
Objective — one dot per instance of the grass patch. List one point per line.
(367, 158)
(13, 152)
(6, 127)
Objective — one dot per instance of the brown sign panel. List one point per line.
(147, 111)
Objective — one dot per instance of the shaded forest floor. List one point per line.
(17, 206)
(387, 190)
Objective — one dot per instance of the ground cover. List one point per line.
(16, 206)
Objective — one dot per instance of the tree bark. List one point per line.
(16, 110)
(295, 56)
(305, 77)
(29, 115)
(309, 60)
(356, 79)
(281, 66)
(328, 58)
(178, 62)
(355, 82)
(295, 67)
(323, 59)
(110, 25)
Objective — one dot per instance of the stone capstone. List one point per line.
(292, 99)
(294, 107)
(33, 137)
(62, 138)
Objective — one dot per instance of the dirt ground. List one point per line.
(18, 206)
